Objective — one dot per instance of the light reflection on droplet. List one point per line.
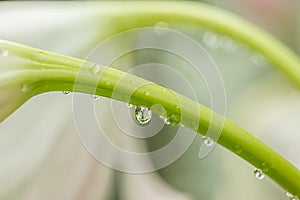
(290, 196)
(25, 87)
(166, 119)
(207, 141)
(143, 115)
(259, 174)
(95, 68)
(66, 93)
(147, 93)
(129, 105)
(95, 97)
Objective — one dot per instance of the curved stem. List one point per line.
(44, 72)
(139, 14)
(57, 72)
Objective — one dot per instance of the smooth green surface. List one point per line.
(43, 72)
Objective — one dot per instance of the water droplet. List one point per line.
(95, 97)
(174, 120)
(181, 125)
(207, 141)
(66, 93)
(161, 28)
(290, 196)
(228, 44)
(147, 93)
(258, 59)
(166, 119)
(259, 174)
(4, 52)
(237, 149)
(143, 114)
(25, 87)
(129, 105)
(164, 90)
(211, 40)
(95, 68)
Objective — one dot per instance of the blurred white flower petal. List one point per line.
(148, 187)
(29, 138)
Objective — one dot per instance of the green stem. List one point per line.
(61, 73)
(43, 72)
(139, 14)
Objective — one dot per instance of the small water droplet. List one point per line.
(66, 93)
(95, 97)
(207, 141)
(147, 93)
(166, 119)
(211, 40)
(258, 58)
(129, 105)
(181, 125)
(25, 87)
(161, 28)
(4, 52)
(95, 68)
(237, 149)
(259, 174)
(107, 83)
(228, 44)
(174, 120)
(142, 114)
(290, 196)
